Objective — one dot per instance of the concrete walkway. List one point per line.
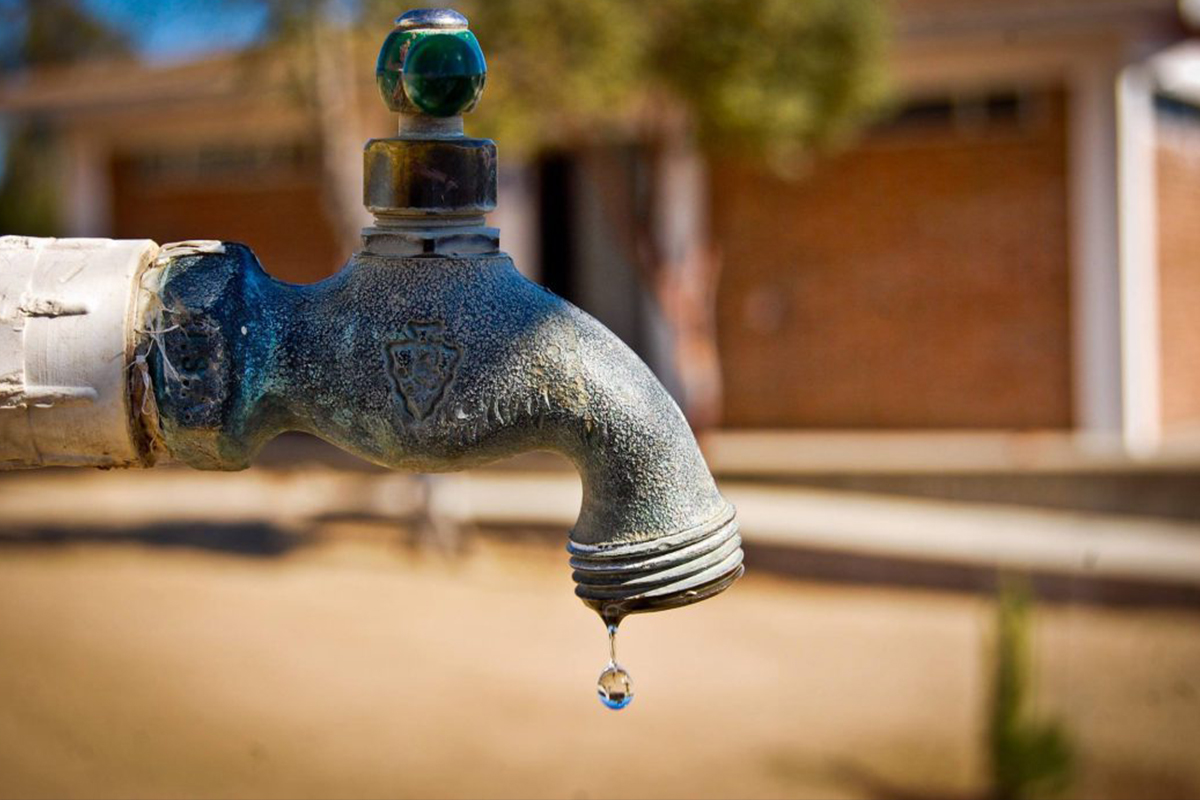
(971, 534)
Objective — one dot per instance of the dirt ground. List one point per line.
(358, 668)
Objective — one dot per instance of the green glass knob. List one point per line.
(431, 64)
(444, 73)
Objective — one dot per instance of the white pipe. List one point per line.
(67, 320)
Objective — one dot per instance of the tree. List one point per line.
(769, 78)
(47, 32)
(40, 33)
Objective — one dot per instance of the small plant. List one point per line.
(1029, 757)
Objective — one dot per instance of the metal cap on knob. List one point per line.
(431, 18)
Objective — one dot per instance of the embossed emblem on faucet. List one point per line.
(422, 364)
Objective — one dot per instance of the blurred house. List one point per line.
(1016, 247)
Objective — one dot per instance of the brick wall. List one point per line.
(1179, 271)
(272, 202)
(918, 280)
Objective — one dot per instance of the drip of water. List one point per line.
(614, 686)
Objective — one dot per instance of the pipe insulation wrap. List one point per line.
(68, 332)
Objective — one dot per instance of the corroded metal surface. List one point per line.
(435, 364)
(429, 352)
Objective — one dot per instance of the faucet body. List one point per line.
(437, 363)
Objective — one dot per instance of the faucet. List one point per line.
(428, 351)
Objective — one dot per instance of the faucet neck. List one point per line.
(420, 126)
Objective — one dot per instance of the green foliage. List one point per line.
(56, 32)
(43, 33)
(1029, 757)
(557, 69)
(773, 74)
(768, 77)
(28, 196)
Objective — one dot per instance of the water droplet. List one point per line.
(614, 686)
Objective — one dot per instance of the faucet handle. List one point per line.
(430, 186)
(431, 64)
